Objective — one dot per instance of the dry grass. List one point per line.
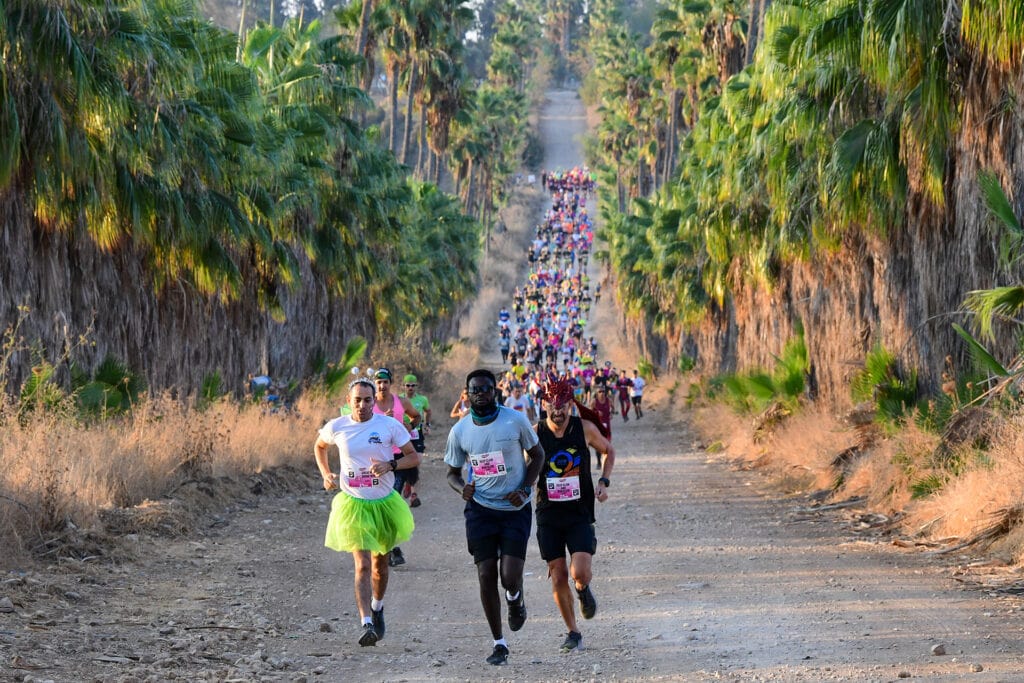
(978, 506)
(986, 491)
(57, 475)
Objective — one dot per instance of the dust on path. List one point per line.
(701, 575)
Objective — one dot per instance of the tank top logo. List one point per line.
(563, 476)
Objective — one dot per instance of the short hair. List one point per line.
(482, 372)
(362, 382)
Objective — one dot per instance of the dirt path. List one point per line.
(701, 575)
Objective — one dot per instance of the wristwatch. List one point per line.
(604, 480)
(394, 465)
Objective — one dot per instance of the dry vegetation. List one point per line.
(976, 501)
(69, 488)
(59, 475)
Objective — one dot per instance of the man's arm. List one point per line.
(458, 485)
(534, 461)
(411, 412)
(410, 457)
(329, 477)
(607, 452)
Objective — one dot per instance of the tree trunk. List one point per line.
(393, 72)
(407, 131)
(362, 36)
(175, 338)
(673, 132)
(422, 153)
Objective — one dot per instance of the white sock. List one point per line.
(367, 620)
(376, 604)
(500, 641)
(510, 597)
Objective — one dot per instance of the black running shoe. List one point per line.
(499, 656)
(369, 636)
(378, 622)
(573, 641)
(516, 612)
(396, 557)
(588, 604)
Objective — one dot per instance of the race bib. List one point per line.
(564, 488)
(361, 478)
(488, 465)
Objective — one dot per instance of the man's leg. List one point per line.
(581, 569)
(487, 575)
(558, 570)
(380, 576)
(367, 583)
(363, 581)
(512, 574)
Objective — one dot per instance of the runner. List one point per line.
(622, 385)
(461, 407)
(520, 402)
(368, 518)
(602, 405)
(400, 408)
(565, 502)
(636, 394)
(406, 480)
(498, 511)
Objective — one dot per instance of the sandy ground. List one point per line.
(702, 574)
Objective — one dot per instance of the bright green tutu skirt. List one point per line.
(375, 525)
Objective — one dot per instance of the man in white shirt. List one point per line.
(520, 402)
(368, 517)
(636, 394)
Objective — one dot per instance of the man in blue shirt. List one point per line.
(492, 439)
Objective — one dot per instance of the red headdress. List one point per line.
(558, 392)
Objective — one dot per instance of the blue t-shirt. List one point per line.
(495, 453)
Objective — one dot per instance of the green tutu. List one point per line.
(375, 525)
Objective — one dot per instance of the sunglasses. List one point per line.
(480, 390)
(410, 385)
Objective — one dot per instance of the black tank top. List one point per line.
(565, 457)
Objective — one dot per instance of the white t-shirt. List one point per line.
(638, 386)
(521, 404)
(359, 444)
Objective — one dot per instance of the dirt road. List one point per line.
(701, 575)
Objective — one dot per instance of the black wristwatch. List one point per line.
(604, 480)
(394, 465)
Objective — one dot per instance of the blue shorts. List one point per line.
(493, 533)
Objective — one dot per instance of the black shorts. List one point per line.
(418, 445)
(493, 533)
(409, 476)
(576, 537)
(636, 400)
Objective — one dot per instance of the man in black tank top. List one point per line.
(565, 502)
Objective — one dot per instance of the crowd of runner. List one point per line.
(542, 338)
(553, 402)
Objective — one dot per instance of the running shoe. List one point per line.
(573, 641)
(499, 656)
(378, 622)
(369, 636)
(414, 501)
(588, 603)
(396, 558)
(516, 612)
